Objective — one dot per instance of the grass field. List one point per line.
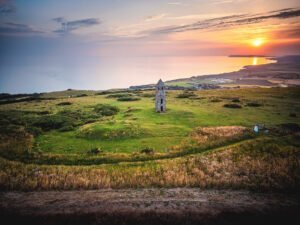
(95, 140)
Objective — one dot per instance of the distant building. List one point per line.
(160, 97)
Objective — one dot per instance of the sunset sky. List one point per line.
(55, 32)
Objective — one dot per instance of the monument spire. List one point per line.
(160, 97)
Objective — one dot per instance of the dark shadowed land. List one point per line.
(149, 206)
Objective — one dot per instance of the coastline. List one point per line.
(284, 72)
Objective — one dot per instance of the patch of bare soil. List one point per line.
(148, 206)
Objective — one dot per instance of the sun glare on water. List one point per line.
(254, 61)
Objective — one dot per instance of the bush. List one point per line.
(186, 94)
(293, 115)
(43, 113)
(128, 99)
(236, 100)
(95, 151)
(67, 128)
(35, 131)
(119, 95)
(81, 95)
(36, 122)
(253, 104)
(216, 100)
(289, 127)
(50, 122)
(64, 103)
(148, 151)
(11, 130)
(103, 93)
(106, 110)
(147, 95)
(233, 106)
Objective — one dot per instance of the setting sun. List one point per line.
(257, 42)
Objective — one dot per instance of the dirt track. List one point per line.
(148, 206)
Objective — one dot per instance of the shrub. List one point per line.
(81, 95)
(90, 121)
(103, 93)
(106, 110)
(293, 115)
(43, 113)
(186, 94)
(254, 104)
(216, 100)
(119, 95)
(147, 95)
(95, 151)
(35, 131)
(290, 127)
(67, 128)
(233, 106)
(11, 130)
(51, 122)
(236, 100)
(148, 151)
(64, 103)
(128, 99)
(79, 117)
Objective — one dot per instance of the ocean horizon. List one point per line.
(114, 72)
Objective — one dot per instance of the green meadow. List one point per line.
(138, 126)
(118, 134)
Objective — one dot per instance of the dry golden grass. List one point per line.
(233, 167)
(205, 134)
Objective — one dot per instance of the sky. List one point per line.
(43, 38)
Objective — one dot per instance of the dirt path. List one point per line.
(147, 206)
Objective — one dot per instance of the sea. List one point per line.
(113, 72)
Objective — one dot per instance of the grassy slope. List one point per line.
(266, 162)
(161, 131)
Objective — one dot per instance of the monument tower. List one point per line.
(160, 97)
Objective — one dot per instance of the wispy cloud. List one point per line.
(219, 2)
(175, 3)
(293, 31)
(229, 21)
(178, 4)
(68, 26)
(155, 17)
(17, 29)
(195, 17)
(7, 6)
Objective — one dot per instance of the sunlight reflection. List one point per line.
(254, 61)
